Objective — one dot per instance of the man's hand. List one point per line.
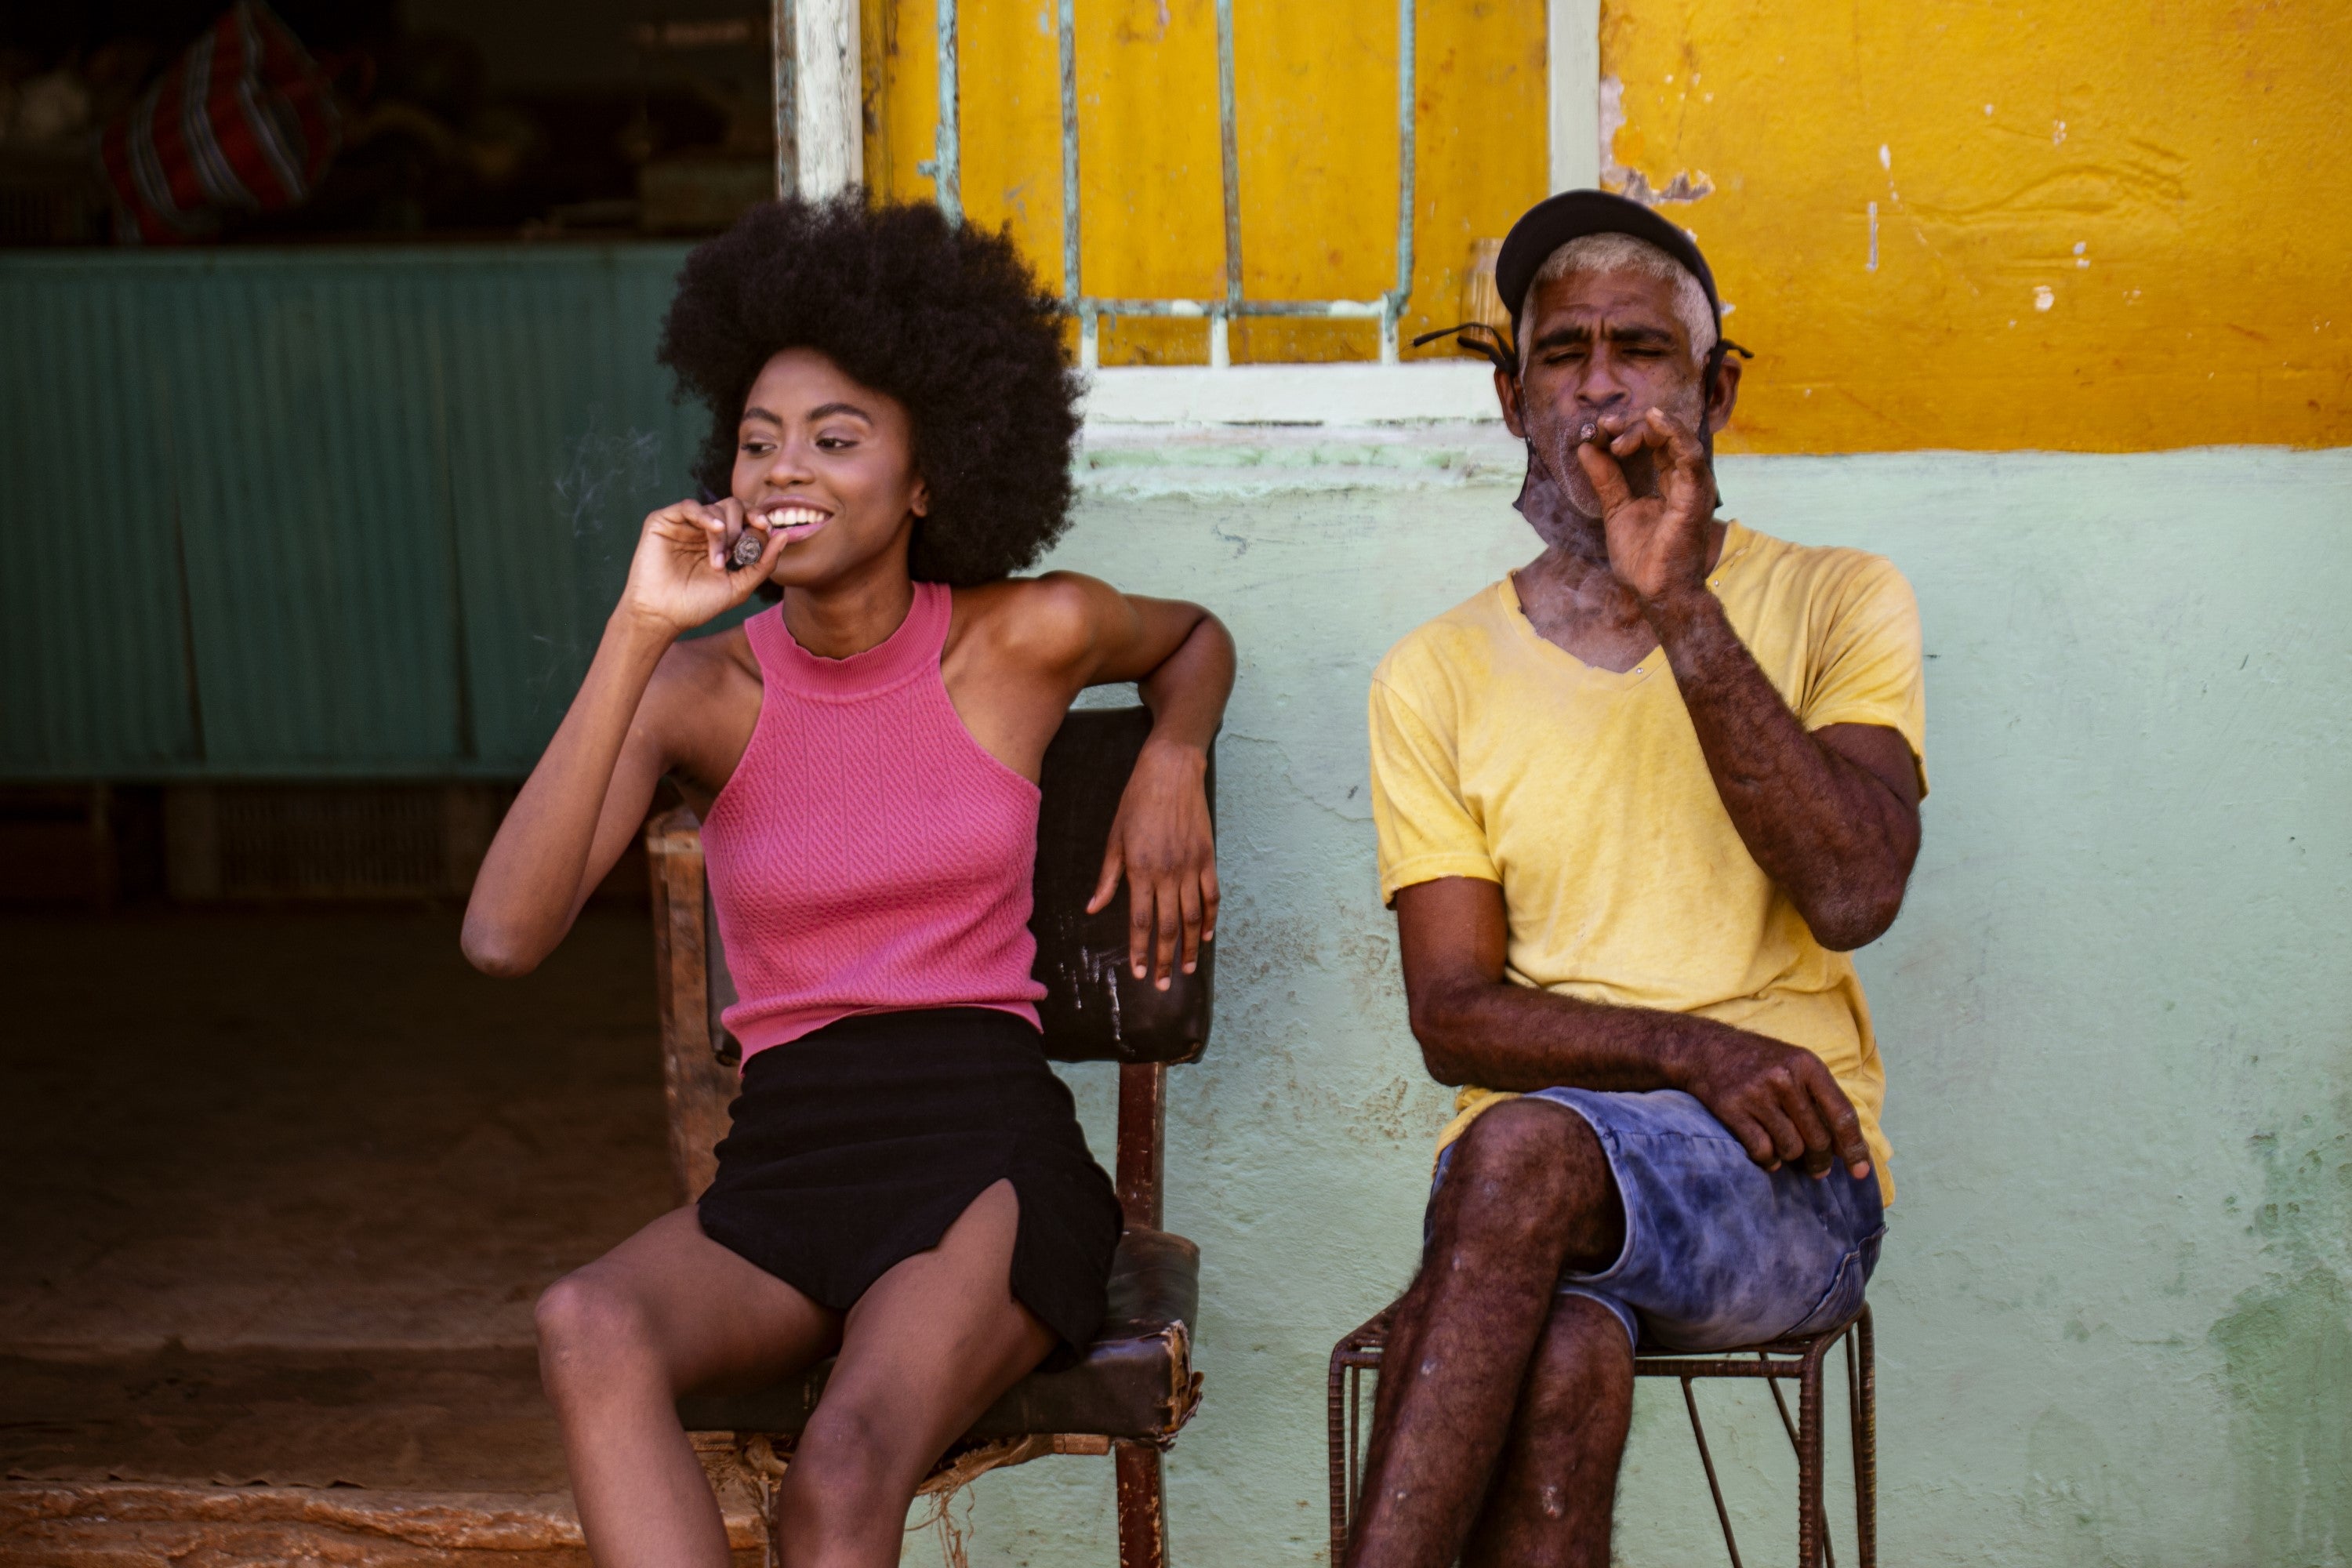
(1657, 543)
(1779, 1100)
(1475, 1025)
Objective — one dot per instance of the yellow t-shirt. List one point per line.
(1583, 791)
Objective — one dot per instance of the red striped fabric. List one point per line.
(244, 120)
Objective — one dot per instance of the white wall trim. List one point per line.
(1354, 394)
(1238, 461)
(1573, 38)
(828, 102)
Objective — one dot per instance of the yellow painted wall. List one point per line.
(2102, 226)
(1316, 96)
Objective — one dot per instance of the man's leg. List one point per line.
(1527, 1194)
(1551, 1501)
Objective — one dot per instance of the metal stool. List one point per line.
(1799, 1358)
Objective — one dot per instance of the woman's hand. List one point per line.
(678, 577)
(1163, 841)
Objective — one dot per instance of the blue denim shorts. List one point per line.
(1718, 1251)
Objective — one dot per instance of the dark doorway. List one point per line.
(282, 1185)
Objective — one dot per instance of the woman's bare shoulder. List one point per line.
(1051, 619)
(700, 682)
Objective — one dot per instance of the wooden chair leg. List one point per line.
(1336, 1404)
(1142, 1506)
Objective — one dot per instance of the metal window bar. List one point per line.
(947, 171)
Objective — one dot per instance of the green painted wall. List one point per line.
(2113, 1308)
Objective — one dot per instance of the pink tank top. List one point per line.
(868, 856)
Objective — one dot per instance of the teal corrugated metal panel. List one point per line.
(92, 640)
(406, 483)
(545, 542)
(323, 613)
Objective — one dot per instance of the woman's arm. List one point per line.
(587, 796)
(1182, 658)
(1033, 644)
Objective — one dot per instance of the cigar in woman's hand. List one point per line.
(748, 547)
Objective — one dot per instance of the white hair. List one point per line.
(1625, 253)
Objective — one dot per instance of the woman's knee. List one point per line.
(848, 1470)
(588, 1327)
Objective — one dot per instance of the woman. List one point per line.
(905, 1184)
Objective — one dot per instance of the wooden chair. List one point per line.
(1136, 1387)
(1798, 1358)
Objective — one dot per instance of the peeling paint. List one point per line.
(1684, 185)
(1613, 120)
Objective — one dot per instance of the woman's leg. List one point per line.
(667, 1310)
(927, 1349)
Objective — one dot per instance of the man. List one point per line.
(1635, 804)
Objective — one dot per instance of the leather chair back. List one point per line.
(1094, 1008)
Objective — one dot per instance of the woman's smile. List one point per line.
(794, 517)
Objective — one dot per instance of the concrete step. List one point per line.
(360, 1458)
(139, 1524)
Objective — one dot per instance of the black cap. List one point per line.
(1571, 214)
(1552, 223)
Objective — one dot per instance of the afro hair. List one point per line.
(947, 320)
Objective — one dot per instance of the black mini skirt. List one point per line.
(854, 1147)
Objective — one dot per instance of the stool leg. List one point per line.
(1797, 1446)
(1142, 1506)
(1861, 1381)
(1715, 1488)
(1809, 1531)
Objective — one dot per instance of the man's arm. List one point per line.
(1476, 1026)
(1832, 815)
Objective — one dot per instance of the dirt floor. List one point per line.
(282, 1186)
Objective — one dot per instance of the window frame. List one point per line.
(828, 129)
